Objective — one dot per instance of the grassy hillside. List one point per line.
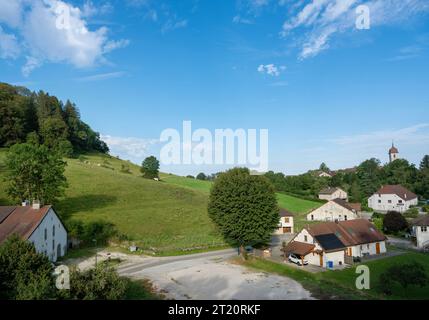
(156, 214)
(170, 216)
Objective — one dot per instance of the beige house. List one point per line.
(323, 174)
(421, 231)
(286, 223)
(335, 210)
(331, 244)
(333, 193)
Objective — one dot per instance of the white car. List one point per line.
(294, 259)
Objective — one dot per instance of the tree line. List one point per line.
(360, 182)
(39, 118)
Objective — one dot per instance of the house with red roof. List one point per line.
(331, 244)
(40, 225)
(392, 198)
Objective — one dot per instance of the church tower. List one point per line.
(393, 153)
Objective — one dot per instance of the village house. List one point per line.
(39, 225)
(420, 231)
(286, 223)
(333, 193)
(323, 174)
(332, 244)
(335, 210)
(392, 198)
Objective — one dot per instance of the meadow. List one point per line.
(164, 217)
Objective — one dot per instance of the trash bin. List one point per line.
(330, 264)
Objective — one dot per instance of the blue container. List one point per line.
(330, 264)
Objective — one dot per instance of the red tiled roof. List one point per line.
(299, 248)
(351, 233)
(356, 206)
(399, 190)
(20, 220)
(285, 213)
(344, 204)
(421, 221)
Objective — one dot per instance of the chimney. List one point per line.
(36, 204)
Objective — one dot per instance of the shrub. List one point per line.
(407, 274)
(412, 213)
(394, 222)
(101, 283)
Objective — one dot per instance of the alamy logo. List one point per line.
(224, 147)
(363, 20)
(363, 280)
(63, 17)
(62, 274)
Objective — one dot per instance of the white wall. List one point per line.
(368, 249)
(339, 194)
(331, 211)
(285, 222)
(422, 236)
(390, 202)
(60, 238)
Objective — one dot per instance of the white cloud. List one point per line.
(11, 12)
(320, 20)
(102, 76)
(9, 47)
(408, 135)
(90, 10)
(173, 24)
(239, 19)
(129, 147)
(56, 31)
(271, 69)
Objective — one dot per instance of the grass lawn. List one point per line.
(141, 290)
(341, 284)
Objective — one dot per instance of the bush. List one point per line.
(24, 273)
(394, 222)
(378, 223)
(407, 274)
(412, 213)
(101, 283)
(100, 231)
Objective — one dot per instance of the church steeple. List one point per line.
(393, 153)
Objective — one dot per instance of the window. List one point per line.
(379, 201)
(46, 234)
(400, 201)
(53, 231)
(345, 218)
(305, 239)
(367, 246)
(424, 229)
(312, 217)
(286, 220)
(53, 245)
(389, 201)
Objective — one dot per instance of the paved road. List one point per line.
(210, 276)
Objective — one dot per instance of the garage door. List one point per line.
(287, 230)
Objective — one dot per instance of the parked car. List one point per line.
(294, 259)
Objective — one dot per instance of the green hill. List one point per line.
(170, 216)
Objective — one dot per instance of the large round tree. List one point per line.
(244, 207)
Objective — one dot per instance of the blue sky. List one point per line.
(325, 90)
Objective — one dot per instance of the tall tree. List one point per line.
(150, 168)
(369, 175)
(323, 167)
(424, 164)
(244, 207)
(35, 173)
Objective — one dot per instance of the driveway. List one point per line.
(209, 276)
